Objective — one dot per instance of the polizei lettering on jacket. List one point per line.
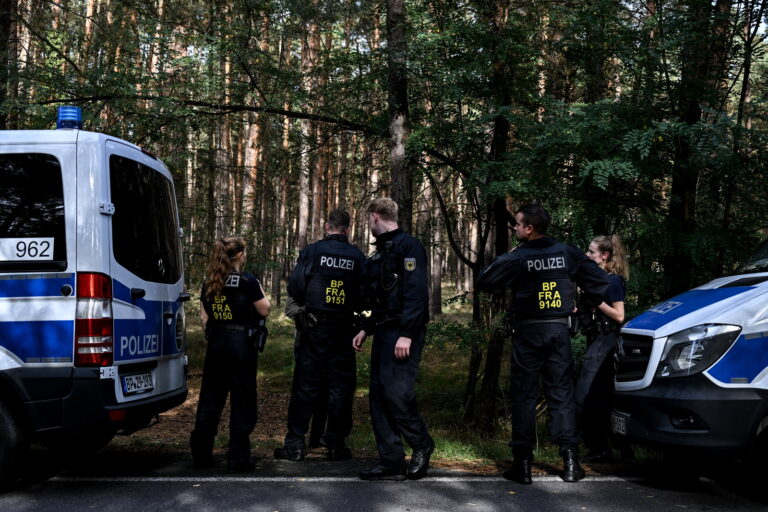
(545, 263)
(335, 262)
(139, 345)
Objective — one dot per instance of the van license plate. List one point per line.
(619, 422)
(139, 383)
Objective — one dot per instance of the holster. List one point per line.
(257, 335)
(305, 320)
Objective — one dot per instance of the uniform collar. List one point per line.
(336, 236)
(386, 237)
(544, 241)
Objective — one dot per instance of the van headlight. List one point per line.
(696, 349)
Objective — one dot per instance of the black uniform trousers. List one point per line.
(394, 411)
(324, 357)
(542, 349)
(229, 369)
(594, 391)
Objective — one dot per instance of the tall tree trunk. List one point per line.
(399, 117)
(700, 84)
(7, 8)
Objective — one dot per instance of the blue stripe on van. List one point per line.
(681, 305)
(745, 360)
(35, 342)
(35, 285)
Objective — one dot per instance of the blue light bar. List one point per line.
(69, 117)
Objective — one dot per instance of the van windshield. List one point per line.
(32, 227)
(758, 262)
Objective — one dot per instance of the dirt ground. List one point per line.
(172, 431)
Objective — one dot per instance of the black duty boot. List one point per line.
(244, 466)
(420, 461)
(339, 453)
(379, 472)
(572, 471)
(520, 471)
(598, 456)
(288, 454)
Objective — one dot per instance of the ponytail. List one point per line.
(225, 251)
(617, 262)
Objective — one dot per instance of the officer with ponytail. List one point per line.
(594, 390)
(232, 312)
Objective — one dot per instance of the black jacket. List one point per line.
(328, 276)
(543, 275)
(398, 283)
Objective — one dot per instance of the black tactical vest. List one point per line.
(234, 306)
(334, 277)
(544, 288)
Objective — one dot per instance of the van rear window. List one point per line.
(32, 227)
(145, 234)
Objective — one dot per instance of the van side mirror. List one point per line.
(184, 297)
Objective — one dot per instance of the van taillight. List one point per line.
(93, 320)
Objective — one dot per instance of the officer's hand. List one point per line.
(402, 347)
(358, 340)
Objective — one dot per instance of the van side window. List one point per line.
(32, 227)
(145, 236)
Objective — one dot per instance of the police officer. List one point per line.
(233, 306)
(541, 273)
(595, 387)
(327, 280)
(397, 278)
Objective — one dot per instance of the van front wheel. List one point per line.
(12, 446)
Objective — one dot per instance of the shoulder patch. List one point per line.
(410, 264)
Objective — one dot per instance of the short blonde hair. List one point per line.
(385, 207)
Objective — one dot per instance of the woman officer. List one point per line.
(232, 305)
(594, 390)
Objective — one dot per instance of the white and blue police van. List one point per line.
(693, 378)
(92, 327)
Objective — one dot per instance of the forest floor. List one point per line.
(441, 383)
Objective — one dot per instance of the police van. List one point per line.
(694, 372)
(92, 327)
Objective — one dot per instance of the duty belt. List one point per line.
(330, 317)
(388, 319)
(231, 327)
(529, 321)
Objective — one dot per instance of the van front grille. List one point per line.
(637, 353)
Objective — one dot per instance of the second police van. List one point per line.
(92, 325)
(694, 373)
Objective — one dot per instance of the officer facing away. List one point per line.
(541, 273)
(397, 284)
(327, 279)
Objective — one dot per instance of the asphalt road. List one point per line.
(151, 481)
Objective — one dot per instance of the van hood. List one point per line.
(710, 303)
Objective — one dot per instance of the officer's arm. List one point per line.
(297, 283)
(592, 280)
(497, 276)
(203, 315)
(415, 289)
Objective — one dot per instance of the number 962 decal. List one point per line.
(25, 249)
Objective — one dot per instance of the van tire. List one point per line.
(13, 446)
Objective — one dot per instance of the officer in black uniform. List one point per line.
(541, 273)
(397, 278)
(233, 308)
(327, 280)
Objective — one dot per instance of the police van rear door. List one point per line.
(37, 254)
(146, 271)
